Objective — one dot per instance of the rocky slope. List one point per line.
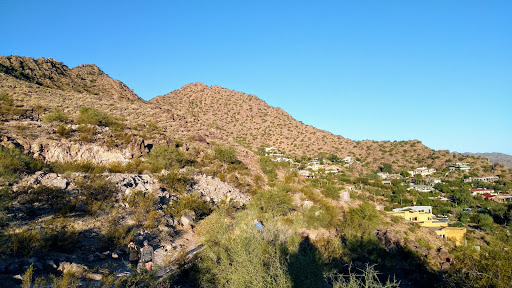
(53, 74)
(196, 111)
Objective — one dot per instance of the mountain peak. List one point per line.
(50, 73)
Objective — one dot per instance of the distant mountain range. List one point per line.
(495, 158)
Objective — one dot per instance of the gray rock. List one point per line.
(38, 265)
(32, 260)
(3, 268)
(51, 264)
(14, 267)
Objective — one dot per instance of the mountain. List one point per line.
(197, 111)
(53, 74)
(495, 158)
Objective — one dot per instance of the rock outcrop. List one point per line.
(213, 189)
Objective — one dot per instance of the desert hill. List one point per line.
(53, 74)
(198, 111)
(251, 122)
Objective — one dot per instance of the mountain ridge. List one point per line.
(209, 112)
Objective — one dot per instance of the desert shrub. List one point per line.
(117, 234)
(176, 181)
(244, 260)
(58, 235)
(63, 131)
(166, 157)
(78, 166)
(367, 278)
(274, 202)
(38, 200)
(332, 191)
(189, 202)
(96, 194)
(315, 217)
(92, 116)
(56, 116)
(225, 154)
(489, 267)
(7, 108)
(13, 162)
(361, 220)
(87, 132)
(268, 167)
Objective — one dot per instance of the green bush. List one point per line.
(96, 194)
(225, 154)
(361, 220)
(166, 157)
(92, 116)
(176, 181)
(13, 162)
(189, 202)
(274, 202)
(268, 167)
(332, 191)
(56, 116)
(63, 131)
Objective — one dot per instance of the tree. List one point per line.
(387, 168)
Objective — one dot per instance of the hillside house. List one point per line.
(423, 171)
(305, 174)
(424, 219)
(455, 234)
(459, 167)
(482, 191)
(348, 159)
(489, 179)
(386, 176)
(426, 209)
(420, 188)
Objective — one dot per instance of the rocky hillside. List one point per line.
(53, 74)
(251, 122)
(197, 111)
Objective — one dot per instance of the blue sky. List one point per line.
(436, 71)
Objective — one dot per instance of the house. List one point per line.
(423, 171)
(419, 214)
(426, 209)
(455, 234)
(348, 159)
(305, 174)
(489, 179)
(502, 199)
(459, 167)
(420, 188)
(482, 191)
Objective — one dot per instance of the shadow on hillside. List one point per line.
(305, 266)
(398, 263)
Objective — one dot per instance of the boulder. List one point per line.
(94, 276)
(75, 268)
(188, 218)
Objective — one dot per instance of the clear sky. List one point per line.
(436, 71)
